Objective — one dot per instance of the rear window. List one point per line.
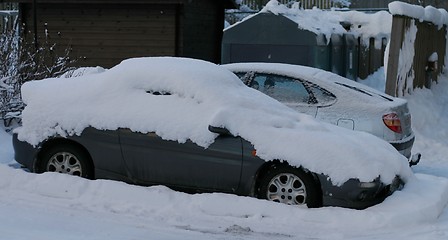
(320, 94)
(284, 89)
(366, 92)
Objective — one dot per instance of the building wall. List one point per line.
(101, 34)
(104, 34)
(202, 25)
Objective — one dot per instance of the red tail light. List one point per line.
(392, 122)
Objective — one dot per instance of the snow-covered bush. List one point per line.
(10, 103)
(21, 62)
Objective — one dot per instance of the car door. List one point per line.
(152, 160)
(290, 91)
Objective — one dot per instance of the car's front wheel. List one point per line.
(289, 185)
(67, 159)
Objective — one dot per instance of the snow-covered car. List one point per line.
(194, 126)
(334, 99)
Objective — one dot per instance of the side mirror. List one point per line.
(219, 130)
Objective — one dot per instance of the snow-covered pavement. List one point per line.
(54, 206)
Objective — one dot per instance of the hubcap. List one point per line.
(287, 188)
(65, 162)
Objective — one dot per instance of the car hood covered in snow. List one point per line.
(179, 98)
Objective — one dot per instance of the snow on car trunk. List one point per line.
(179, 98)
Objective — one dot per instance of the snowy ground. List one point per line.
(53, 206)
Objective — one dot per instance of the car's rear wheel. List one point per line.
(293, 186)
(67, 159)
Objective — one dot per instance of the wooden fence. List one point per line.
(306, 4)
(322, 4)
(371, 57)
(411, 63)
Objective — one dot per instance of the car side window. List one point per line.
(285, 89)
(320, 95)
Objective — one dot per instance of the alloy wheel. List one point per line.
(65, 162)
(286, 188)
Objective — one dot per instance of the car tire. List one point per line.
(67, 159)
(292, 186)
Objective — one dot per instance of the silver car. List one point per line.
(334, 99)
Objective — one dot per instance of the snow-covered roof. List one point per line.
(201, 94)
(365, 25)
(368, 25)
(314, 20)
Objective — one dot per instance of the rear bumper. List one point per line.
(404, 146)
(357, 195)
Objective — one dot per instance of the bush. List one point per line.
(10, 102)
(23, 62)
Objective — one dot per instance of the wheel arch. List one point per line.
(262, 171)
(53, 142)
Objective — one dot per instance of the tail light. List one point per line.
(392, 121)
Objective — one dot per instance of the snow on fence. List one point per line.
(306, 4)
(322, 4)
(417, 47)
